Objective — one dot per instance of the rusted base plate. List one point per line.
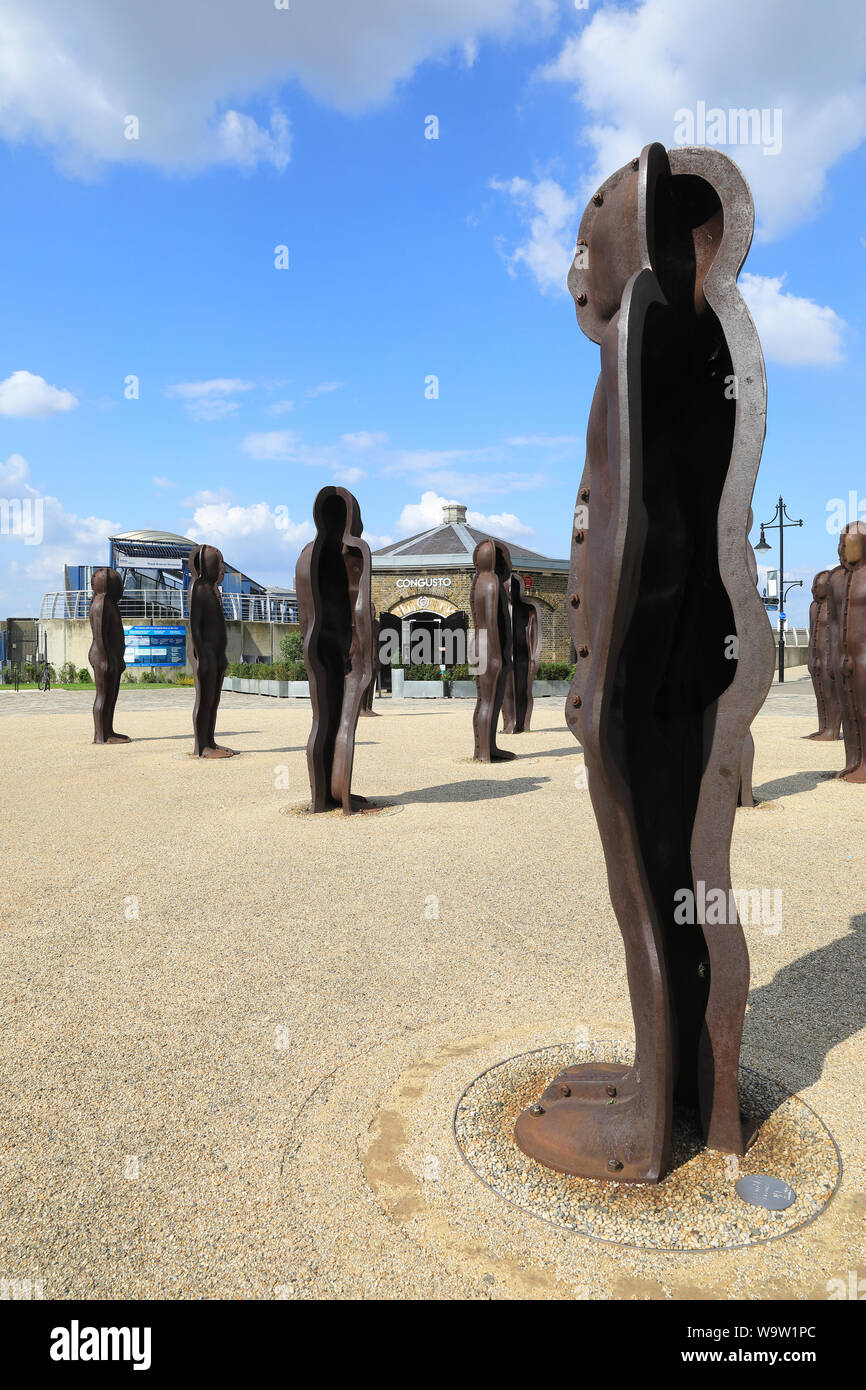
(591, 1122)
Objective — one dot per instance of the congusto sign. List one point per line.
(425, 582)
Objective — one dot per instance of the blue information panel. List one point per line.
(155, 646)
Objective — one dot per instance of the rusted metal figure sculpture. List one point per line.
(332, 578)
(659, 581)
(526, 638)
(375, 630)
(106, 652)
(819, 662)
(208, 644)
(491, 619)
(852, 645)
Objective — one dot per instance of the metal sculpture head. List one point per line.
(108, 582)
(207, 564)
(820, 585)
(852, 545)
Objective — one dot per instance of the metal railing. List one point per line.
(170, 606)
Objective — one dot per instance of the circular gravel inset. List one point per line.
(696, 1207)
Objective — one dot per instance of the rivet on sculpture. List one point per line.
(820, 663)
(660, 701)
(208, 644)
(491, 620)
(849, 593)
(332, 579)
(106, 652)
(375, 631)
(526, 642)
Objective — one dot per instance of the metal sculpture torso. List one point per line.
(819, 662)
(491, 619)
(526, 637)
(659, 584)
(852, 666)
(208, 647)
(106, 652)
(334, 608)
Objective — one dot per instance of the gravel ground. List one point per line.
(233, 1039)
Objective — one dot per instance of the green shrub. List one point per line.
(460, 673)
(67, 673)
(150, 675)
(555, 671)
(130, 677)
(292, 648)
(84, 676)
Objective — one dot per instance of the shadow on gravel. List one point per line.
(811, 1005)
(476, 790)
(789, 786)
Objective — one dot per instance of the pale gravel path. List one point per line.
(280, 1036)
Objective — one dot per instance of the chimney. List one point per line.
(453, 511)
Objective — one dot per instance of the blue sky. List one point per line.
(408, 257)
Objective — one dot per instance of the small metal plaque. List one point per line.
(761, 1190)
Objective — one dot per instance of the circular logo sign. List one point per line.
(422, 602)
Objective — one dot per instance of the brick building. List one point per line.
(424, 582)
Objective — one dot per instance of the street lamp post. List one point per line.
(778, 522)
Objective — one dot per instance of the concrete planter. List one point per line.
(276, 688)
(464, 690)
(299, 689)
(540, 688)
(398, 681)
(424, 690)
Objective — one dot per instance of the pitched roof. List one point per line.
(452, 544)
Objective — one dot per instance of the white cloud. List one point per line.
(210, 400)
(543, 441)
(421, 516)
(247, 144)
(324, 388)
(217, 386)
(259, 539)
(65, 538)
(71, 74)
(796, 332)
(551, 216)
(348, 476)
(633, 68)
(24, 395)
(280, 407)
(163, 482)
(271, 444)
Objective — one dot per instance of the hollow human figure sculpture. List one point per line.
(491, 619)
(375, 630)
(852, 644)
(208, 644)
(106, 652)
(819, 662)
(332, 579)
(659, 581)
(526, 639)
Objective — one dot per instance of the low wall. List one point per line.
(69, 639)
